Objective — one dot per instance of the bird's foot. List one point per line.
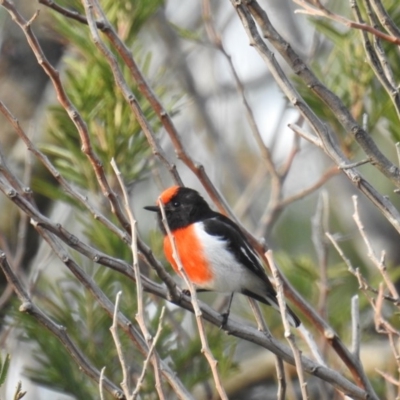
(225, 317)
(186, 292)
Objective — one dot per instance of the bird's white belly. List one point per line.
(228, 274)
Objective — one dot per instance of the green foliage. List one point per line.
(4, 368)
(344, 69)
(89, 83)
(87, 324)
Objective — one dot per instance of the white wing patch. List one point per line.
(247, 251)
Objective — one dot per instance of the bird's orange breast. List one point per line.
(191, 254)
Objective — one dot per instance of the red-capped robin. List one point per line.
(214, 252)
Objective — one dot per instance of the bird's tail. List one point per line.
(273, 302)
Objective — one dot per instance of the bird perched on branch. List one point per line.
(213, 251)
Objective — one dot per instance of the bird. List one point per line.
(215, 254)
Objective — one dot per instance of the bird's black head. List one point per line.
(183, 206)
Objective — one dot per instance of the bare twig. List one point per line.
(306, 135)
(323, 12)
(379, 263)
(385, 19)
(355, 324)
(149, 357)
(71, 110)
(288, 334)
(363, 283)
(215, 38)
(251, 9)
(57, 330)
(275, 209)
(125, 384)
(378, 61)
(101, 390)
(139, 289)
(319, 225)
(280, 376)
(262, 326)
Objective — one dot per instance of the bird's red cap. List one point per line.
(168, 194)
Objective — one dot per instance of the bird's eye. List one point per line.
(176, 204)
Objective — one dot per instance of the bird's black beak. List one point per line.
(152, 208)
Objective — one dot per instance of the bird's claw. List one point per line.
(225, 317)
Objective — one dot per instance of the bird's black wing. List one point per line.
(223, 227)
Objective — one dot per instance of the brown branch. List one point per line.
(149, 94)
(362, 282)
(319, 224)
(140, 318)
(380, 51)
(288, 334)
(273, 212)
(72, 112)
(379, 263)
(124, 323)
(125, 384)
(378, 62)
(323, 131)
(66, 186)
(385, 19)
(58, 331)
(253, 10)
(321, 11)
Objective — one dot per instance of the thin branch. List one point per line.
(71, 110)
(362, 282)
(123, 86)
(385, 19)
(355, 164)
(378, 62)
(288, 334)
(355, 327)
(215, 38)
(306, 135)
(280, 376)
(380, 51)
(148, 358)
(323, 12)
(319, 224)
(101, 389)
(140, 317)
(67, 187)
(250, 10)
(125, 384)
(271, 214)
(262, 326)
(379, 263)
(58, 331)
